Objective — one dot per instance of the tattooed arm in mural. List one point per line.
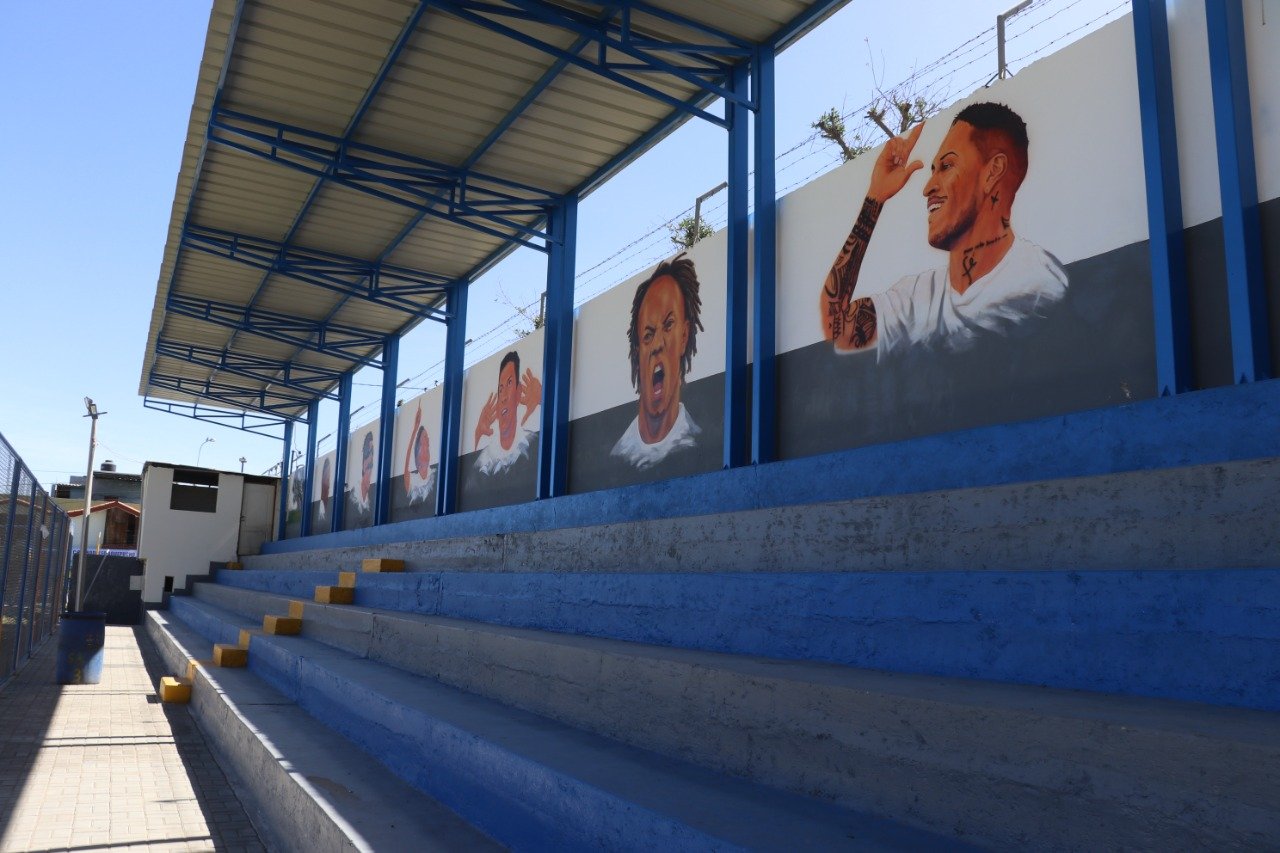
(850, 324)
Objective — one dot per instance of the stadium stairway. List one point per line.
(1086, 663)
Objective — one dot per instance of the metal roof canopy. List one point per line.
(350, 163)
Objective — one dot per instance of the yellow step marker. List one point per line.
(295, 609)
(227, 655)
(193, 665)
(335, 594)
(381, 564)
(347, 579)
(175, 690)
(234, 565)
(246, 634)
(286, 625)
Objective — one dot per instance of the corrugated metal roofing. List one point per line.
(386, 84)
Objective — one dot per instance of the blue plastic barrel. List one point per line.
(80, 639)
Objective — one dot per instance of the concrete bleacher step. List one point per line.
(302, 793)
(1001, 763)
(530, 781)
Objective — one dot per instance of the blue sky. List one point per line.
(96, 99)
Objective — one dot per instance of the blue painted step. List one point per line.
(533, 783)
(1209, 635)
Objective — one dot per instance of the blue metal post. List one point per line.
(454, 351)
(1238, 181)
(55, 548)
(340, 439)
(285, 482)
(386, 429)
(764, 331)
(8, 530)
(557, 355)
(26, 564)
(1170, 299)
(735, 358)
(309, 483)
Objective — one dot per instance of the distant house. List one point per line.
(116, 510)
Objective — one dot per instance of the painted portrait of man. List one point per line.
(418, 475)
(326, 490)
(511, 443)
(663, 338)
(993, 280)
(360, 502)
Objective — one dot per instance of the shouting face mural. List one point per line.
(663, 338)
(992, 280)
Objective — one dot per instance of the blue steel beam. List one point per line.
(330, 338)
(278, 373)
(285, 482)
(1238, 182)
(254, 397)
(736, 417)
(489, 205)
(254, 422)
(614, 37)
(764, 331)
(386, 430)
(368, 281)
(451, 417)
(1170, 297)
(341, 437)
(308, 487)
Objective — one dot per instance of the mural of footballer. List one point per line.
(418, 476)
(512, 441)
(993, 280)
(663, 337)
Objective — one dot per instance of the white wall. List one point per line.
(177, 543)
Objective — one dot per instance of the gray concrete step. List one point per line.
(1006, 764)
(1170, 518)
(534, 783)
(308, 790)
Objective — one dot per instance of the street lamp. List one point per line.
(201, 450)
(242, 461)
(92, 413)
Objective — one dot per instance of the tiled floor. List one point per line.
(106, 766)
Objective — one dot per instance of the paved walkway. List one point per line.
(106, 766)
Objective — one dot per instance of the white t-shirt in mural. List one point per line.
(924, 310)
(494, 460)
(631, 446)
(421, 488)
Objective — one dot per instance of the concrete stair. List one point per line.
(1074, 664)
(526, 780)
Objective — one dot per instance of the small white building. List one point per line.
(194, 516)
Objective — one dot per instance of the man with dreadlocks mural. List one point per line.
(663, 339)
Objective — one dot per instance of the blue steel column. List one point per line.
(309, 482)
(1238, 181)
(26, 564)
(1170, 299)
(557, 353)
(340, 435)
(386, 429)
(735, 357)
(764, 329)
(285, 484)
(454, 351)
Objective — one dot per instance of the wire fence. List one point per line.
(35, 548)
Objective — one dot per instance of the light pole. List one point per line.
(242, 461)
(201, 450)
(93, 414)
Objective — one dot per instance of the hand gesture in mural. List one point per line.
(408, 452)
(530, 394)
(488, 415)
(892, 169)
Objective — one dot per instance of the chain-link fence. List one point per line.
(35, 540)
